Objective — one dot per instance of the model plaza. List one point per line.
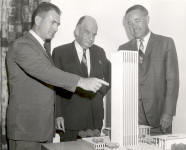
(125, 132)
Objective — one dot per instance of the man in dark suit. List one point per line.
(81, 110)
(158, 71)
(32, 75)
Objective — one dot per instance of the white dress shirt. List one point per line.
(40, 40)
(145, 41)
(79, 51)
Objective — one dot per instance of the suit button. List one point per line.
(141, 84)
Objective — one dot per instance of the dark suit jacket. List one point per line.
(81, 110)
(31, 74)
(158, 78)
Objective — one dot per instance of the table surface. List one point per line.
(79, 145)
(73, 145)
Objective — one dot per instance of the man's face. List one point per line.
(137, 23)
(48, 24)
(85, 34)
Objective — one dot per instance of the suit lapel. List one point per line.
(38, 45)
(93, 59)
(96, 64)
(147, 62)
(149, 45)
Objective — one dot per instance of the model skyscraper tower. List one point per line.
(124, 98)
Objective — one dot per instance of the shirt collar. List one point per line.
(146, 38)
(78, 47)
(145, 41)
(39, 39)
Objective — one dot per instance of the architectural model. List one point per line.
(124, 108)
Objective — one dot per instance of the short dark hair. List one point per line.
(44, 7)
(137, 7)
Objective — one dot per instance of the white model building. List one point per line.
(124, 98)
(124, 108)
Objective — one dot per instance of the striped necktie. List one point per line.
(47, 48)
(84, 63)
(141, 51)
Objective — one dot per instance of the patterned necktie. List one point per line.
(47, 48)
(141, 58)
(84, 63)
(141, 49)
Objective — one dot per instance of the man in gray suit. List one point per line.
(158, 71)
(32, 75)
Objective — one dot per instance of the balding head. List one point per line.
(85, 32)
(86, 20)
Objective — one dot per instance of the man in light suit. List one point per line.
(81, 110)
(32, 75)
(158, 71)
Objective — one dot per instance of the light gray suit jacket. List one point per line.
(158, 78)
(32, 75)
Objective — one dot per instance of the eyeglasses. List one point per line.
(131, 21)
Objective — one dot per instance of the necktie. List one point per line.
(47, 48)
(141, 57)
(141, 49)
(84, 63)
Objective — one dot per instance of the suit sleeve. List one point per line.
(59, 104)
(42, 69)
(172, 79)
(59, 110)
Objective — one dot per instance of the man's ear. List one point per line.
(76, 32)
(38, 20)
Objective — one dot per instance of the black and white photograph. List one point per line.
(92, 75)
